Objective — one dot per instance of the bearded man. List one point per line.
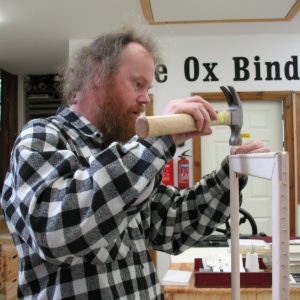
(83, 197)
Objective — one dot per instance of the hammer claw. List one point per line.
(234, 96)
(228, 95)
(235, 107)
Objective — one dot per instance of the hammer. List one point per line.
(182, 123)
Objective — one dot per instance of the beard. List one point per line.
(117, 123)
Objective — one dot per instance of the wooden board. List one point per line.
(8, 270)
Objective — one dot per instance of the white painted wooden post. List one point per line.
(235, 246)
(272, 166)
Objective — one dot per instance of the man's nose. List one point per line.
(144, 98)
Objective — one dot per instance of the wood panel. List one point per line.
(9, 121)
(8, 271)
(3, 227)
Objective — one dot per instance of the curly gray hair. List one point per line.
(100, 59)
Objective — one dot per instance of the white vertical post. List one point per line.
(273, 166)
(234, 236)
(280, 229)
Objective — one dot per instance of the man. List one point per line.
(83, 198)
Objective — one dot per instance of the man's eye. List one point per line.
(138, 84)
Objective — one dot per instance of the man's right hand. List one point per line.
(201, 111)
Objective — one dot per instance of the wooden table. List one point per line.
(8, 268)
(192, 293)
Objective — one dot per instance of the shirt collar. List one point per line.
(79, 122)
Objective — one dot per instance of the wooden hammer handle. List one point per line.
(172, 124)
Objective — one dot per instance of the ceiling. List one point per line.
(35, 34)
(218, 11)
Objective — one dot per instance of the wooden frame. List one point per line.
(271, 166)
(288, 118)
(297, 145)
(149, 17)
(149, 112)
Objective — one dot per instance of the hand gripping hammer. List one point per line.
(181, 123)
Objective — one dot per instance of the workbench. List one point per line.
(173, 292)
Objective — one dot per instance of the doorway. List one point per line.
(285, 98)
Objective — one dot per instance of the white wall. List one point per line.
(220, 49)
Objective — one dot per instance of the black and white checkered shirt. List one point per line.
(83, 215)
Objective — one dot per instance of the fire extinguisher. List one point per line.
(168, 173)
(183, 171)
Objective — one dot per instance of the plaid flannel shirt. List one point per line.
(83, 215)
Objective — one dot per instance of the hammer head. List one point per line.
(235, 107)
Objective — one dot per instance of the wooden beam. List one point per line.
(147, 11)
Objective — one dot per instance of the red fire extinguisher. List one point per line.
(183, 171)
(168, 173)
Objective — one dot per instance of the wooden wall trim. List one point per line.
(286, 98)
(289, 147)
(297, 141)
(197, 166)
(149, 112)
